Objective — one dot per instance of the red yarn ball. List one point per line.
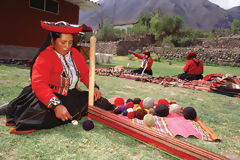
(119, 101)
(141, 113)
(141, 104)
(130, 105)
(130, 115)
(163, 101)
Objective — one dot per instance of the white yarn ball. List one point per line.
(74, 122)
(148, 103)
(175, 108)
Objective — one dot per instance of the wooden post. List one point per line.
(91, 70)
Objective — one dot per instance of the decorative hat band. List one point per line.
(64, 27)
(147, 52)
(191, 54)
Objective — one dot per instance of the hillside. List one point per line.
(199, 14)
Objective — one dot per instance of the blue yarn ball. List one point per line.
(88, 125)
(124, 113)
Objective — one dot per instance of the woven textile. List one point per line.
(175, 124)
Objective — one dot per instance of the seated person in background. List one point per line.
(147, 62)
(193, 69)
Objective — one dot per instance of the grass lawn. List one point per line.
(219, 112)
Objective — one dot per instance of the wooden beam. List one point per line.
(92, 70)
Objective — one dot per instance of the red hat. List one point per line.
(147, 52)
(64, 27)
(190, 54)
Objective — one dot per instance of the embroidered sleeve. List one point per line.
(54, 101)
(41, 73)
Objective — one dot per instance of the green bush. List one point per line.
(235, 26)
(108, 33)
(138, 30)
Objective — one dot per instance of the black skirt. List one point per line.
(190, 77)
(139, 71)
(28, 113)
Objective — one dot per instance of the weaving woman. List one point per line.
(53, 98)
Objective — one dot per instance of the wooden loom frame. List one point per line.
(169, 144)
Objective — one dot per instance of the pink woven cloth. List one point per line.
(178, 125)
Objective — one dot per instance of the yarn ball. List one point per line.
(119, 109)
(134, 108)
(136, 100)
(141, 104)
(189, 113)
(162, 110)
(163, 101)
(130, 115)
(175, 108)
(129, 105)
(140, 114)
(148, 103)
(119, 101)
(129, 110)
(74, 122)
(124, 113)
(149, 120)
(122, 107)
(88, 125)
(129, 100)
(173, 102)
(138, 108)
(134, 113)
(148, 112)
(151, 110)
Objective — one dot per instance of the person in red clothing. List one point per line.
(193, 69)
(147, 61)
(53, 98)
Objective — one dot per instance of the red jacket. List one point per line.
(193, 67)
(47, 75)
(150, 60)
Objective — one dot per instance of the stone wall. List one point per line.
(227, 51)
(204, 54)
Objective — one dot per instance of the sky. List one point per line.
(226, 4)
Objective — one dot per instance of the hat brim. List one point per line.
(190, 54)
(147, 52)
(50, 26)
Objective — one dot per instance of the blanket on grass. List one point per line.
(224, 84)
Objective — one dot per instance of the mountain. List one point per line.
(235, 12)
(200, 14)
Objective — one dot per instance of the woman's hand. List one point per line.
(62, 113)
(97, 94)
(130, 51)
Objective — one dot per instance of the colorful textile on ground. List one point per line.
(149, 136)
(175, 124)
(217, 83)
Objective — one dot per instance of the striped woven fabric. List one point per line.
(151, 137)
(174, 125)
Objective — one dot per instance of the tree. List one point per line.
(167, 22)
(156, 26)
(107, 32)
(178, 23)
(138, 30)
(144, 19)
(235, 26)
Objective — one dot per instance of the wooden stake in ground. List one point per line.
(92, 70)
